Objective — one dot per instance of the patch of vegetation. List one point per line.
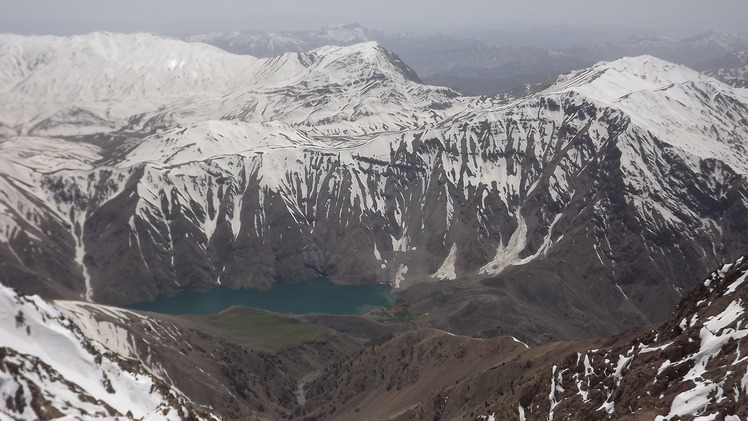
(397, 316)
(260, 328)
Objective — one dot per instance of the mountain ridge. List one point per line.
(487, 64)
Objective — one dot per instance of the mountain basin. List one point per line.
(316, 296)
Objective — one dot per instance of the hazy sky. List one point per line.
(197, 16)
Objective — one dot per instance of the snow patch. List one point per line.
(447, 270)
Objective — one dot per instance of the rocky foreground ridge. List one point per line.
(692, 366)
(74, 358)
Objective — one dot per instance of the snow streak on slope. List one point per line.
(49, 369)
(447, 269)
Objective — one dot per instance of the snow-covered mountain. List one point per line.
(588, 208)
(507, 62)
(49, 369)
(98, 81)
(104, 82)
(631, 169)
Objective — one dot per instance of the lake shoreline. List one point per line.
(314, 296)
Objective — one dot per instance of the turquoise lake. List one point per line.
(318, 296)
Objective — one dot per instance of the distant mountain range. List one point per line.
(691, 51)
(731, 69)
(477, 67)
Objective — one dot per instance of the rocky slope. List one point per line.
(85, 360)
(687, 367)
(599, 198)
(50, 369)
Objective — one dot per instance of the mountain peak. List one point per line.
(371, 52)
(610, 81)
(643, 87)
